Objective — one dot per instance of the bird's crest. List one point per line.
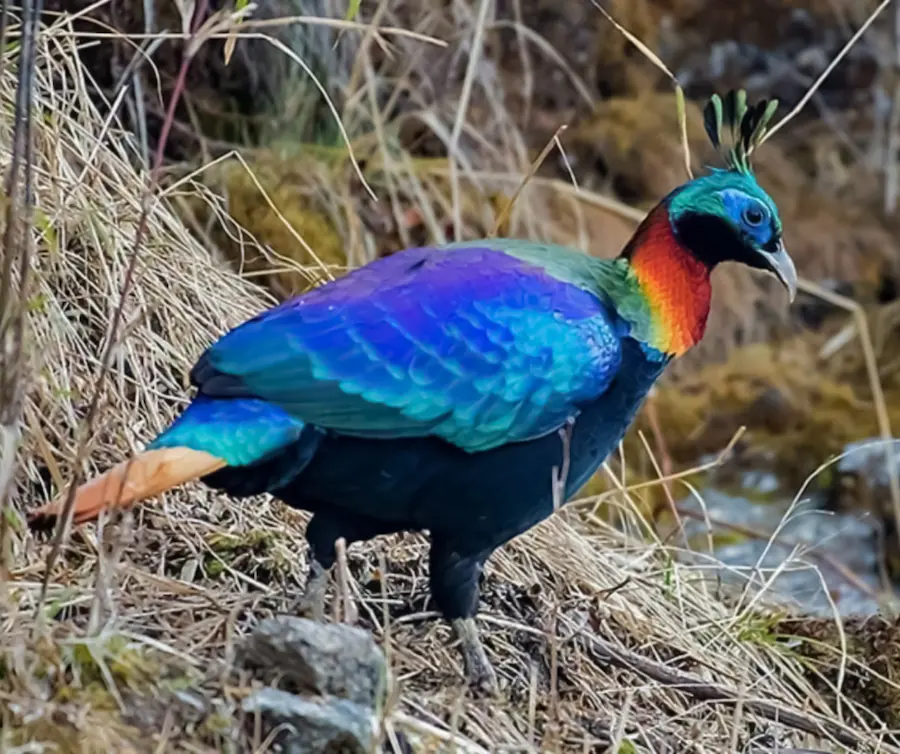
(747, 126)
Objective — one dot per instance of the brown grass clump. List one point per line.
(871, 676)
(602, 640)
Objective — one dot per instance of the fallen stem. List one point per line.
(711, 692)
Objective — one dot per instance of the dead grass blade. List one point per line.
(468, 82)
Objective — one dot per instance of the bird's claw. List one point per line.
(482, 679)
(480, 674)
(312, 601)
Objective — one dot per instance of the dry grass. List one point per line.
(594, 633)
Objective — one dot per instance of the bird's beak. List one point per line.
(782, 265)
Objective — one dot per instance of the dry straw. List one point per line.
(598, 637)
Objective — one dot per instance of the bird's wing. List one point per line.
(471, 345)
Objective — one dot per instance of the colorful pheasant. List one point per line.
(441, 389)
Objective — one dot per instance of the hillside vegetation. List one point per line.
(609, 630)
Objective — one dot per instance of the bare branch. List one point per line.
(112, 337)
(17, 246)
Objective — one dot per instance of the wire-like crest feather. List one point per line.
(745, 125)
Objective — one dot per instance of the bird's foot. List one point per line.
(479, 672)
(312, 601)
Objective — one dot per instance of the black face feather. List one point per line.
(712, 240)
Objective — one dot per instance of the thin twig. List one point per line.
(18, 241)
(344, 603)
(535, 166)
(118, 313)
(560, 474)
(681, 109)
(892, 140)
(719, 460)
(249, 24)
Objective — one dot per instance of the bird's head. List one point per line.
(726, 216)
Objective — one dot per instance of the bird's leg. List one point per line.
(321, 534)
(324, 529)
(453, 575)
(479, 672)
(312, 600)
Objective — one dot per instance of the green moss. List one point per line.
(257, 547)
(760, 628)
(255, 541)
(94, 661)
(14, 521)
(291, 206)
(37, 304)
(217, 724)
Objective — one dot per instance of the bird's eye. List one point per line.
(754, 216)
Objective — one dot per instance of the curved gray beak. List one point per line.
(781, 264)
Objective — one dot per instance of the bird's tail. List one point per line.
(149, 473)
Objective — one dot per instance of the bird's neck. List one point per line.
(674, 283)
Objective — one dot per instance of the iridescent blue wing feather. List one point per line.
(472, 345)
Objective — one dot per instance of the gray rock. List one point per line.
(869, 458)
(846, 537)
(328, 659)
(312, 726)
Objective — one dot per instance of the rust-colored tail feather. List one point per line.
(150, 473)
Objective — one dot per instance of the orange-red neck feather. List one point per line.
(674, 283)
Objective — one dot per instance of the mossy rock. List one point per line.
(292, 218)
